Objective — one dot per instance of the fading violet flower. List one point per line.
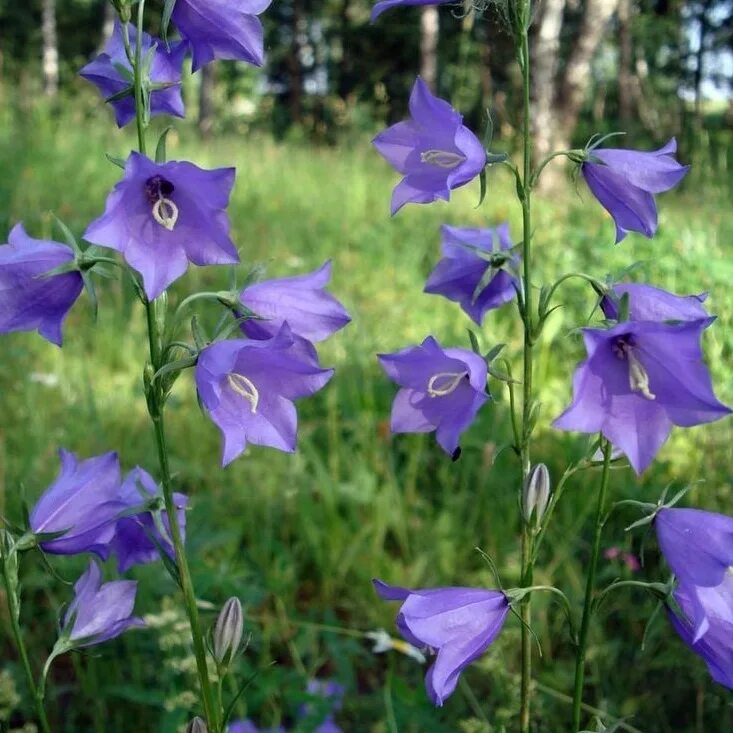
(99, 611)
(466, 275)
(138, 539)
(383, 5)
(222, 29)
(302, 301)
(442, 390)
(162, 216)
(111, 72)
(83, 503)
(625, 181)
(248, 388)
(28, 300)
(640, 379)
(433, 150)
(648, 303)
(460, 624)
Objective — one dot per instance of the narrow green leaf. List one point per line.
(474, 341)
(160, 148)
(119, 162)
(166, 20)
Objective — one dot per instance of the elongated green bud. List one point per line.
(536, 493)
(197, 725)
(228, 632)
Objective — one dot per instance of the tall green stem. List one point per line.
(14, 607)
(589, 588)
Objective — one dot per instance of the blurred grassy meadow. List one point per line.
(299, 537)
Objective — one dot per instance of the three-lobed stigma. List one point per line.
(638, 377)
(442, 158)
(245, 388)
(445, 383)
(164, 211)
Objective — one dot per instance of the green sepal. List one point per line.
(482, 187)
(119, 162)
(122, 94)
(160, 148)
(166, 19)
(176, 367)
(493, 352)
(199, 337)
(475, 347)
(494, 158)
(91, 293)
(68, 234)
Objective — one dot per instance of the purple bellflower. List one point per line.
(625, 181)
(222, 29)
(248, 388)
(465, 274)
(111, 72)
(433, 150)
(460, 624)
(138, 539)
(647, 303)
(99, 611)
(640, 379)
(441, 390)
(83, 503)
(163, 215)
(302, 301)
(247, 726)
(28, 300)
(383, 5)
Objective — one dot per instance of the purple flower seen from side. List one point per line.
(248, 388)
(441, 390)
(137, 539)
(247, 726)
(465, 274)
(302, 301)
(162, 216)
(460, 624)
(640, 379)
(111, 72)
(83, 503)
(28, 300)
(625, 181)
(433, 150)
(383, 5)
(99, 611)
(222, 29)
(648, 303)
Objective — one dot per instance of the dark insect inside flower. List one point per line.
(158, 187)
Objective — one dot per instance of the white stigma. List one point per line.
(442, 158)
(638, 377)
(245, 388)
(444, 383)
(165, 212)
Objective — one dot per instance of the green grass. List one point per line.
(299, 537)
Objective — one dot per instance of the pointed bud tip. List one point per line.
(536, 492)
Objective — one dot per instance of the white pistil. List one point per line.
(165, 212)
(442, 158)
(245, 388)
(451, 381)
(638, 378)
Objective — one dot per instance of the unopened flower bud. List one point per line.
(197, 725)
(536, 492)
(228, 632)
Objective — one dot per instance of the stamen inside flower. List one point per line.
(444, 383)
(638, 377)
(164, 211)
(245, 388)
(442, 158)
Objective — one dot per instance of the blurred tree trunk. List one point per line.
(626, 79)
(295, 67)
(108, 23)
(50, 49)
(207, 105)
(429, 32)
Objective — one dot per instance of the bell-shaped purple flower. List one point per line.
(83, 503)
(383, 5)
(460, 624)
(111, 72)
(640, 379)
(222, 29)
(302, 301)
(625, 181)
(248, 388)
(648, 303)
(441, 390)
(433, 150)
(138, 539)
(28, 300)
(99, 611)
(466, 274)
(162, 216)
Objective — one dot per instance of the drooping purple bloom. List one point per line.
(248, 388)
(383, 5)
(648, 303)
(247, 726)
(465, 274)
(222, 29)
(302, 301)
(28, 300)
(137, 539)
(625, 181)
(640, 379)
(99, 611)
(441, 390)
(433, 150)
(460, 624)
(111, 72)
(162, 216)
(83, 502)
